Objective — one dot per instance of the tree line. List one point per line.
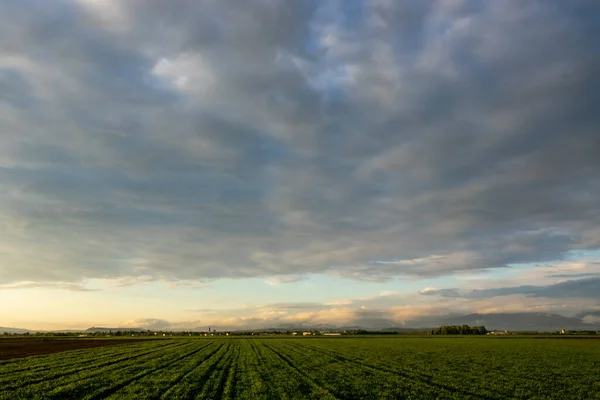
(459, 330)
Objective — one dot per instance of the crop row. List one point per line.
(341, 368)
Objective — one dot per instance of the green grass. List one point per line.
(313, 368)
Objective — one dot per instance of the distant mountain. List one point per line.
(543, 322)
(94, 329)
(406, 330)
(14, 330)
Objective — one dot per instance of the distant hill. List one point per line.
(543, 322)
(14, 330)
(406, 330)
(540, 322)
(94, 329)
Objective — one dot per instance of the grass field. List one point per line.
(325, 368)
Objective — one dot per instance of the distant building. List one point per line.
(498, 332)
(306, 333)
(332, 334)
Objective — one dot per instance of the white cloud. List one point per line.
(187, 72)
(591, 319)
(278, 280)
(108, 12)
(190, 142)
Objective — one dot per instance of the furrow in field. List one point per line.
(107, 391)
(88, 382)
(7, 366)
(264, 384)
(323, 391)
(79, 357)
(81, 381)
(274, 379)
(301, 349)
(259, 355)
(53, 374)
(351, 381)
(165, 390)
(228, 384)
(249, 383)
(193, 383)
(151, 386)
(213, 388)
(421, 379)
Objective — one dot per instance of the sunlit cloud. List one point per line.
(434, 152)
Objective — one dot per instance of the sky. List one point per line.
(263, 163)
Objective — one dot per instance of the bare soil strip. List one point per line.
(26, 347)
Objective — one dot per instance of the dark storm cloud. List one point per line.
(202, 140)
(297, 306)
(585, 288)
(581, 275)
(590, 313)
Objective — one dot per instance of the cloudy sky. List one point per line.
(254, 163)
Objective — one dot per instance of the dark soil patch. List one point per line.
(25, 347)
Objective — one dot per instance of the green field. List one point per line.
(325, 368)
